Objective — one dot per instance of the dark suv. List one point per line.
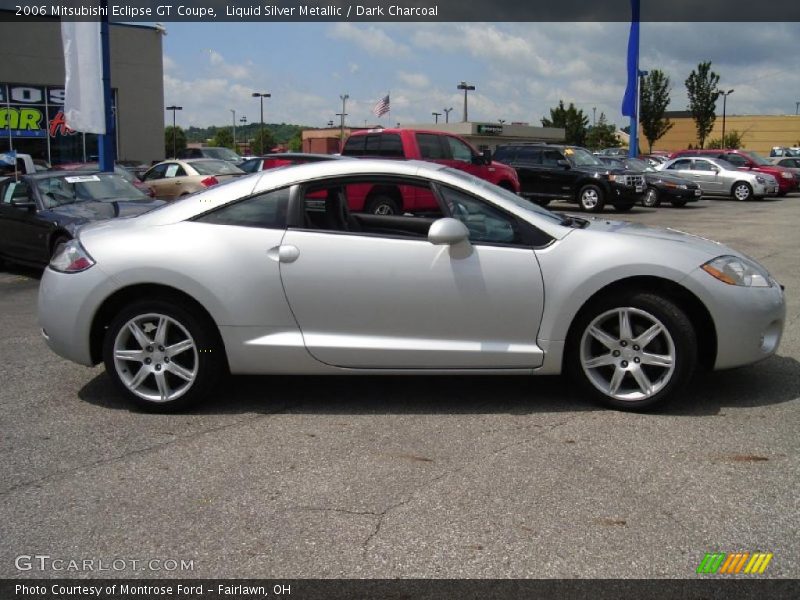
(554, 172)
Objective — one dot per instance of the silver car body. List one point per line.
(307, 301)
(718, 177)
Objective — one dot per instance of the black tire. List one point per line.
(651, 198)
(205, 359)
(678, 203)
(542, 201)
(58, 243)
(741, 190)
(677, 338)
(623, 207)
(382, 205)
(591, 198)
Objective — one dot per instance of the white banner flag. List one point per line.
(83, 62)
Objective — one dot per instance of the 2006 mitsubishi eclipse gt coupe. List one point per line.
(277, 272)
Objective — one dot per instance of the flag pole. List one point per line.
(106, 145)
(633, 54)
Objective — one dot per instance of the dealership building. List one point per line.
(32, 93)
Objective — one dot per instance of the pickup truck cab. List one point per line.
(25, 166)
(410, 144)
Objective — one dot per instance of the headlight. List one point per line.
(786, 175)
(72, 258)
(734, 270)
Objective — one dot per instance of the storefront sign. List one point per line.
(32, 111)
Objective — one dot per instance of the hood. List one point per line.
(689, 240)
(603, 169)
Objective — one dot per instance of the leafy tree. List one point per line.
(571, 119)
(223, 138)
(602, 135)
(259, 145)
(733, 140)
(296, 142)
(652, 106)
(701, 87)
(180, 140)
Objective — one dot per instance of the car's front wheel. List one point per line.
(163, 356)
(632, 351)
(742, 191)
(590, 198)
(651, 199)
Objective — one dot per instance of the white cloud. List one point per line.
(220, 66)
(416, 80)
(370, 38)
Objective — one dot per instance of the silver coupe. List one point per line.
(281, 272)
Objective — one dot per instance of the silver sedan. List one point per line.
(721, 178)
(283, 272)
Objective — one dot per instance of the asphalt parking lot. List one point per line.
(435, 477)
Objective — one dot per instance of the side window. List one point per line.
(430, 146)
(485, 223)
(156, 172)
(550, 158)
(17, 190)
(267, 211)
(459, 150)
(373, 145)
(391, 146)
(354, 146)
(683, 164)
(701, 165)
(504, 154)
(735, 159)
(179, 172)
(531, 156)
(172, 170)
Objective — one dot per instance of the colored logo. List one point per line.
(734, 563)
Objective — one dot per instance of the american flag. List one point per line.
(381, 106)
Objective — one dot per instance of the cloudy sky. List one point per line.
(520, 70)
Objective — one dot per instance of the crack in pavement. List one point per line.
(107, 461)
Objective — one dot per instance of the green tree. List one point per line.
(602, 135)
(296, 142)
(223, 138)
(701, 87)
(733, 139)
(653, 105)
(180, 140)
(259, 146)
(571, 119)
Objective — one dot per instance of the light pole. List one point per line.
(436, 116)
(796, 107)
(447, 114)
(174, 109)
(467, 88)
(724, 107)
(594, 116)
(330, 123)
(261, 97)
(233, 111)
(343, 114)
(501, 121)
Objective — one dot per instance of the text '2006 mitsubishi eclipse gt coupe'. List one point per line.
(277, 273)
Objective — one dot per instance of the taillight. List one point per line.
(72, 258)
(209, 181)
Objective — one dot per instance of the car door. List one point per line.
(23, 234)
(387, 298)
(528, 163)
(558, 180)
(708, 176)
(683, 168)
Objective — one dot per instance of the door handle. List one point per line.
(284, 253)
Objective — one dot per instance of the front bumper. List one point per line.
(748, 321)
(626, 194)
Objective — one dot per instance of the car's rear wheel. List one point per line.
(591, 199)
(742, 191)
(651, 199)
(163, 356)
(632, 351)
(382, 205)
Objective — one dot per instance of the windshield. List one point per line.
(222, 154)
(65, 189)
(505, 194)
(758, 159)
(635, 164)
(580, 157)
(215, 167)
(250, 166)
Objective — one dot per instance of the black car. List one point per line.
(555, 172)
(39, 213)
(662, 186)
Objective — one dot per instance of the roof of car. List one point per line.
(289, 155)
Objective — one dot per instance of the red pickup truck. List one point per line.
(410, 144)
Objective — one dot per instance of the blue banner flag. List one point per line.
(629, 100)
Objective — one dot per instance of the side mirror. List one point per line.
(447, 231)
(564, 164)
(23, 203)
